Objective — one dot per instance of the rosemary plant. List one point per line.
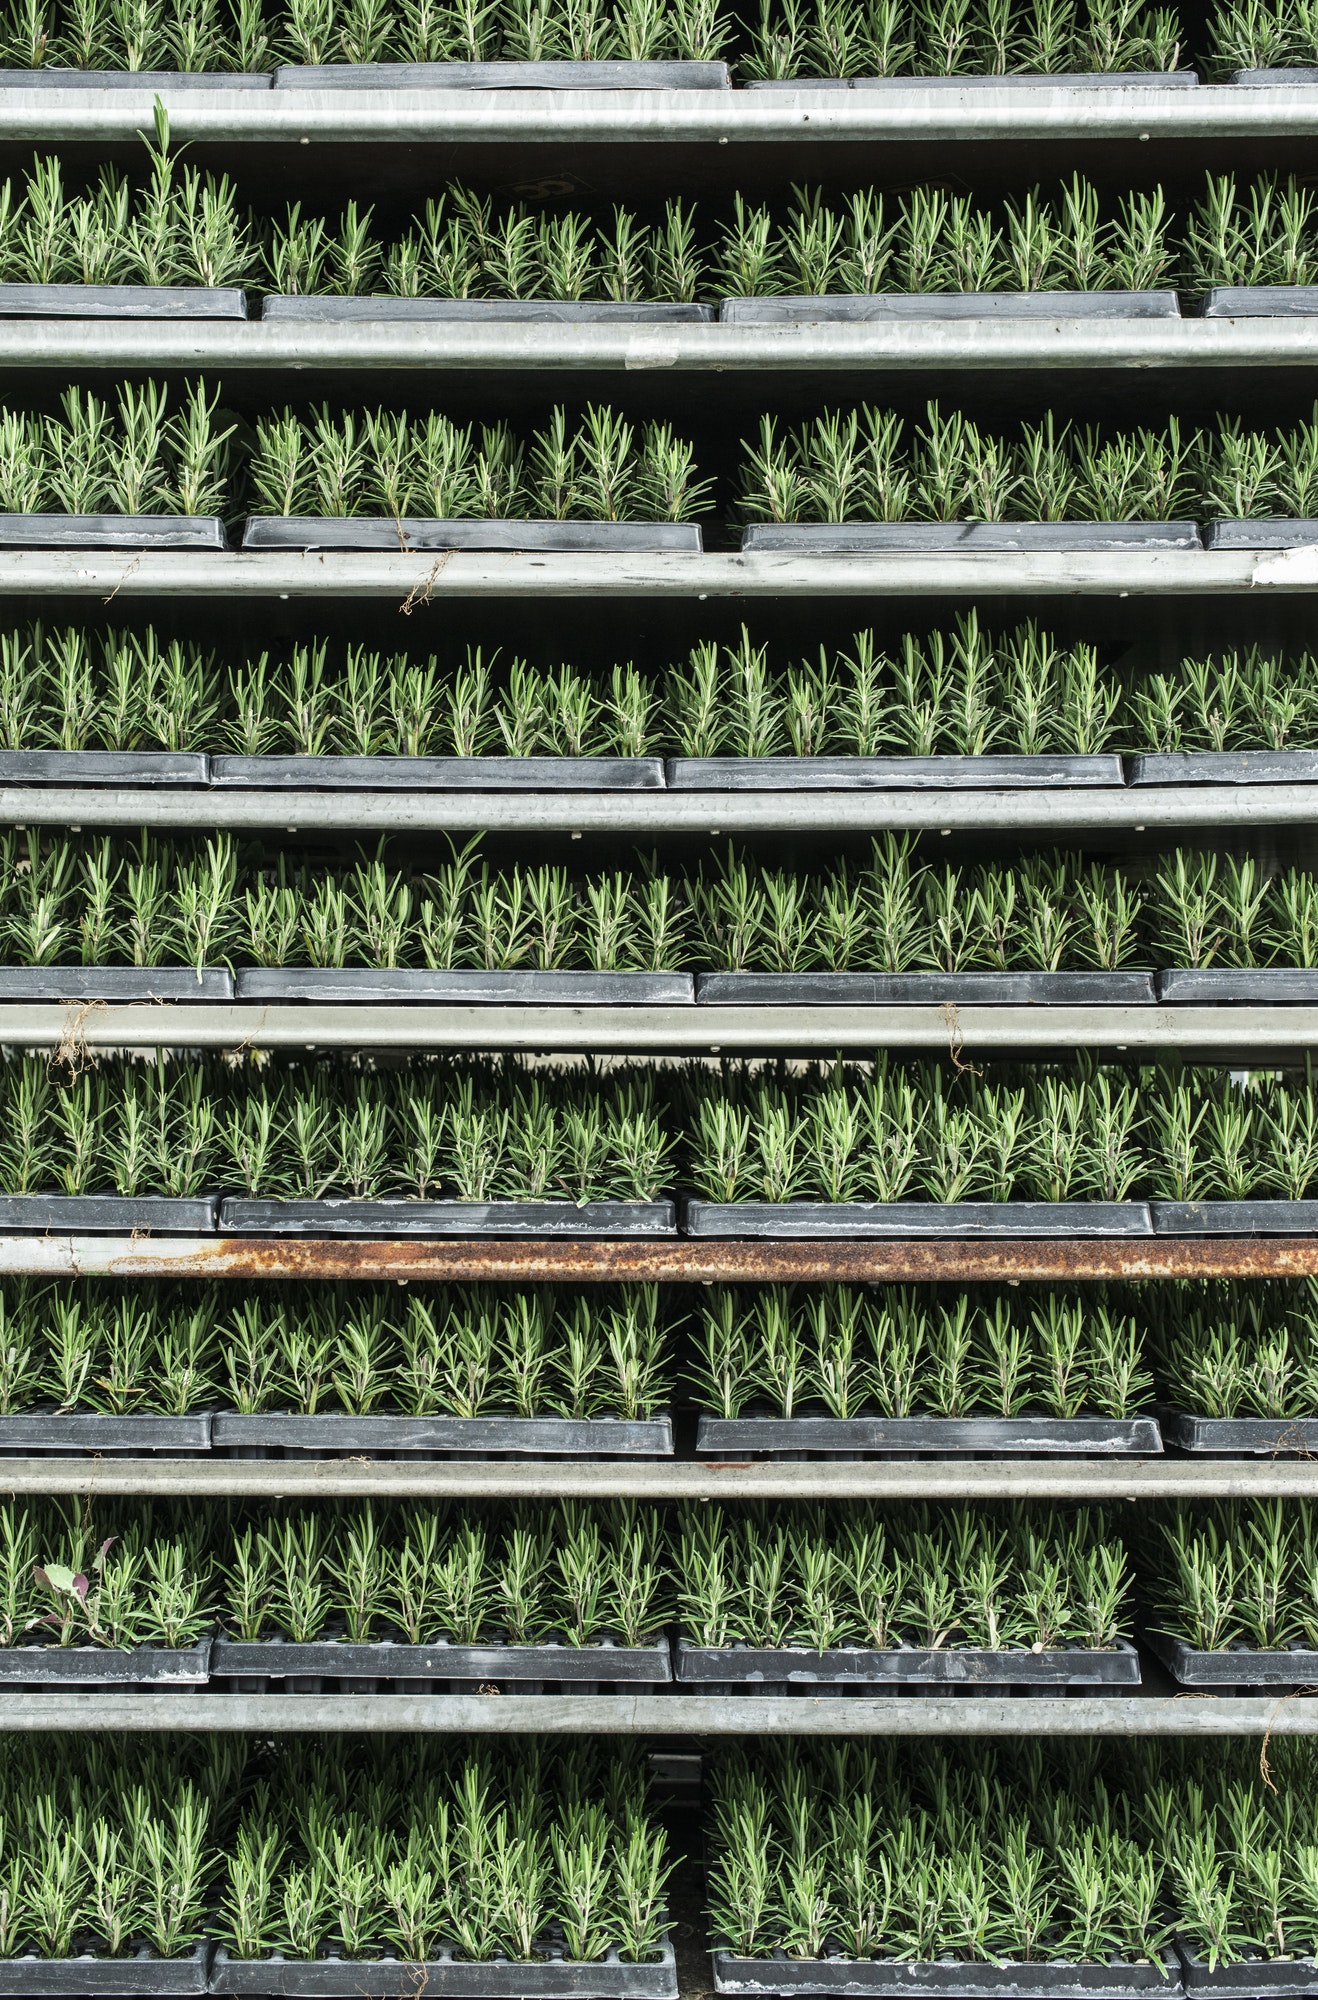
(1263, 34)
(1234, 1572)
(63, 1582)
(136, 458)
(1228, 1349)
(928, 37)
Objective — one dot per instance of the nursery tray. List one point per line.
(115, 1214)
(1068, 1437)
(122, 302)
(606, 75)
(114, 982)
(339, 1659)
(892, 774)
(1223, 767)
(1250, 1978)
(1275, 79)
(926, 989)
(494, 1979)
(867, 1220)
(1262, 984)
(440, 774)
(1240, 1437)
(1261, 302)
(111, 531)
(242, 1217)
(484, 312)
(950, 1666)
(464, 988)
(58, 1667)
(143, 1976)
(146, 80)
(951, 1979)
(1276, 533)
(863, 538)
(1244, 1666)
(1234, 1218)
(556, 1437)
(851, 308)
(91, 1430)
(415, 535)
(103, 767)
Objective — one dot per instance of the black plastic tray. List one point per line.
(501, 1979)
(333, 1431)
(341, 1660)
(869, 1220)
(115, 1214)
(968, 537)
(1240, 1437)
(91, 1978)
(1232, 1667)
(440, 774)
(1300, 78)
(866, 308)
(121, 302)
(1260, 302)
(147, 81)
(603, 75)
(114, 982)
(103, 767)
(111, 531)
(413, 535)
(59, 1667)
(1250, 1978)
(91, 1430)
(323, 309)
(908, 1666)
(1261, 535)
(1265, 984)
(1065, 1437)
(890, 774)
(466, 989)
(1234, 1218)
(240, 1216)
(1223, 767)
(926, 989)
(902, 1979)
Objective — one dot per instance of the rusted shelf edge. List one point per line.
(1110, 1480)
(669, 1715)
(673, 1261)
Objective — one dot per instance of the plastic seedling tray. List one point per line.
(57, 1667)
(1241, 1437)
(864, 538)
(122, 302)
(1275, 79)
(608, 75)
(864, 308)
(441, 774)
(904, 1979)
(909, 1666)
(103, 767)
(302, 307)
(1261, 302)
(426, 537)
(1274, 533)
(386, 1660)
(242, 1217)
(116, 1214)
(1234, 1218)
(92, 1978)
(111, 531)
(1223, 767)
(145, 80)
(385, 1978)
(1104, 79)
(1061, 1437)
(1234, 1666)
(1253, 1977)
(463, 988)
(91, 1430)
(891, 774)
(114, 982)
(926, 989)
(868, 1220)
(1262, 984)
(556, 1437)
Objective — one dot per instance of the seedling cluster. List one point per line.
(1236, 1572)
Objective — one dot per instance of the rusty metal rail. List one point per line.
(599, 1261)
